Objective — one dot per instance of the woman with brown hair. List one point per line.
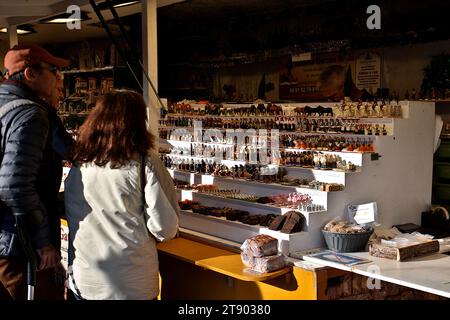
(120, 201)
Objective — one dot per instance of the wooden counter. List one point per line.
(429, 273)
(194, 270)
(215, 259)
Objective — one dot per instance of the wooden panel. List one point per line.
(181, 280)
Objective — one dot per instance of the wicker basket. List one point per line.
(347, 242)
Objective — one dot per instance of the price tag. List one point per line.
(363, 213)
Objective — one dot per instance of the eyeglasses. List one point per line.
(53, 69)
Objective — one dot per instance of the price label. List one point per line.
(363, 213)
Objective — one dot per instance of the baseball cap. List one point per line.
(21, 56)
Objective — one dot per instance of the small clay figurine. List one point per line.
(377, 110)
(316, 161)
(377, 129)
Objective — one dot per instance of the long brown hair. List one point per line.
(115, 130)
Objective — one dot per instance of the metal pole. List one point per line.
(121, 53)
(29, 252)
(132, 50)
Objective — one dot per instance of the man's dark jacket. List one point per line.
(33, 144)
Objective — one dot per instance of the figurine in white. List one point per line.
(398, 111)
(387, 110)
(352, 110)
(343, 164)
(323, 161)
(348, 109)
(366, 109)
(372, 110)
(358, 110)
(316, 160)
(342, 109)
(336, 110)
(377, 110)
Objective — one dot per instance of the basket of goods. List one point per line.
(343, 236)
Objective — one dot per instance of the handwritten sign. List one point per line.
(368, 71)
(363, 213)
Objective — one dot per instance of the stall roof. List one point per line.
(19, 12)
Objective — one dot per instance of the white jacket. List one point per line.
(111, 253)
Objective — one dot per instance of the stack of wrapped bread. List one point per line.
(260, 253)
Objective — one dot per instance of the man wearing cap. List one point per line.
(33, 142)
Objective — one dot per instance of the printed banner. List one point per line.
(317, 82)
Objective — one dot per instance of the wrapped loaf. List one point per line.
(263, 264)
(260, 246)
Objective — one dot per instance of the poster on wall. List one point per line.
(368, 72)
(317, 82)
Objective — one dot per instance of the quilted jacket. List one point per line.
(33, 144)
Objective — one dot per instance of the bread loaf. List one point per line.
(294, 222)
(277, 223)
(267, 219)
(263, 264)
(260, 245)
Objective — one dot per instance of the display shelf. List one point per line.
(79, 114)
(375, 180)
(223, 144)
(224, 162)
(83, 87)
(246, 117)
(354, 157)
(284, 132)
(252, 206)
(359, 153)
(196, 178)
(235, 231)
(74, 98)
(238, 163)
(237, 224)
(189, 143)
(374, 119)
(87, 70)
(358, 170)
(250, 230)
(327, 133)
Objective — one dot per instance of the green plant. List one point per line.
(437, 75)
